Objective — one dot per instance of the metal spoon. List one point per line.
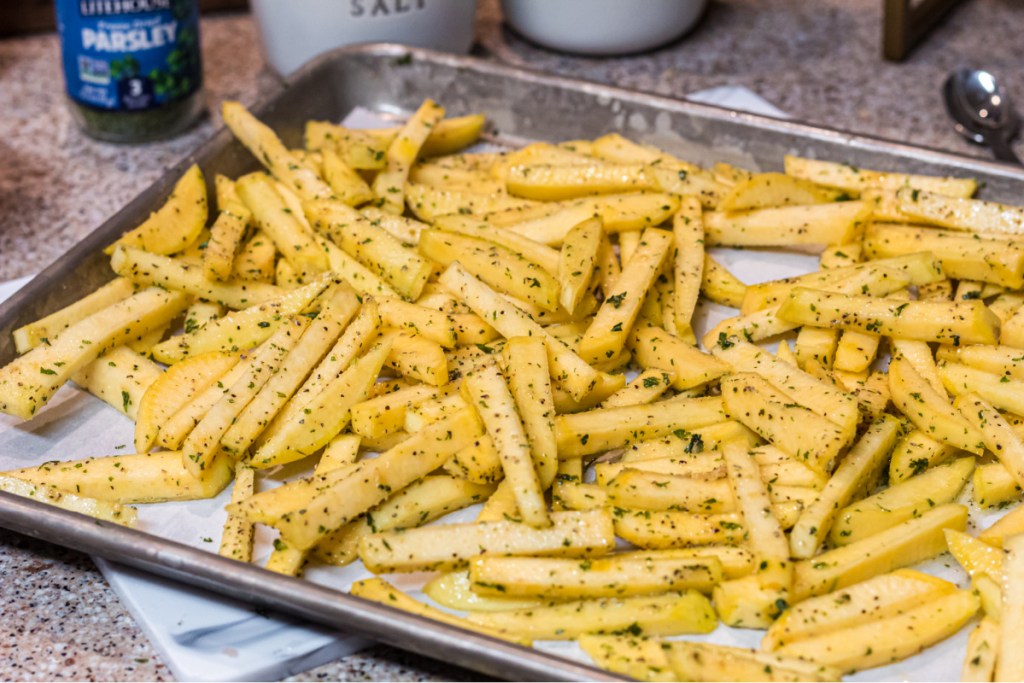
(982, 110)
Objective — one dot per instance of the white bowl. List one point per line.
(602, 27)
(294, 31)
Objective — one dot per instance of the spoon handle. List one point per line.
(1003, 150)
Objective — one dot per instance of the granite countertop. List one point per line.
(58, 618)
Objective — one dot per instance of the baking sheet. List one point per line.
(524, 106)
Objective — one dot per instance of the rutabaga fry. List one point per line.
(905, 544)
(28, 382)
(803, 388)
(264, 144)
(754, 600)
(237, 537)
(577, 262)
(100, 509)
(147, 269)
(554, 182)
(709, 662)
(550, 222)
(41, 331)
(281, 223)
(999, 437)
(917, 267)
(646, 490)
(974, 555)
(673, 529)
(255, 260)
(719, 285)
(344, 495)
(373, 246)
(920, 355)
(348, 186)
(494, 403)
(498, 266)
(530, 383)
(323, 416)
(647, 387)
(336, 313)
(447, 137)
(401, 155)
(857, 471)
(347, 268)
(915, 453)
(982, 652)
(120, 377)
(177, 223)
(406, 230)
(667, 614)
(417, 358)
(567, 368)
(203, 443)
(419, 416)
(1010, 663)
(856, 180)
(604, 429)
(765, 190)
(429, 204)
(568, 493)
(677, 455)
(653, 347)
(862, 603)
(378, 590)
(795, 429)
(131, 478)
(1001, 391)
(614, 320)
(986, 259)
(766, 322)
(175, 387)
(965, 322)
(994, 486)
(227, 231)
(900, 502)
(806, 225)
(688, 265)
(421, 502)
(636, 657)
(961, 213)
(383, 415)
(479, 462)
(622, 575)
(888, 640)
(541, 254)
(243, 330)
(444, 547)
(447, 175)
(419, 321)
(930, 411)
(342, 450)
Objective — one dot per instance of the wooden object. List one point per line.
(906, 22)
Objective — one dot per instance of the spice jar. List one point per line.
(132, 67)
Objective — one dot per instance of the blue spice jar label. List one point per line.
(129, 55)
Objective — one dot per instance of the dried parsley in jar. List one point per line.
(132, 67)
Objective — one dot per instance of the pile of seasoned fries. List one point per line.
(433, 329)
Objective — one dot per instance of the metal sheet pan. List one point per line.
(522, 106)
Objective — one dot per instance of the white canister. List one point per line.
(294, 31)
(602, 27)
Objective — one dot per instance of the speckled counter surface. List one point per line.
(819, 61)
